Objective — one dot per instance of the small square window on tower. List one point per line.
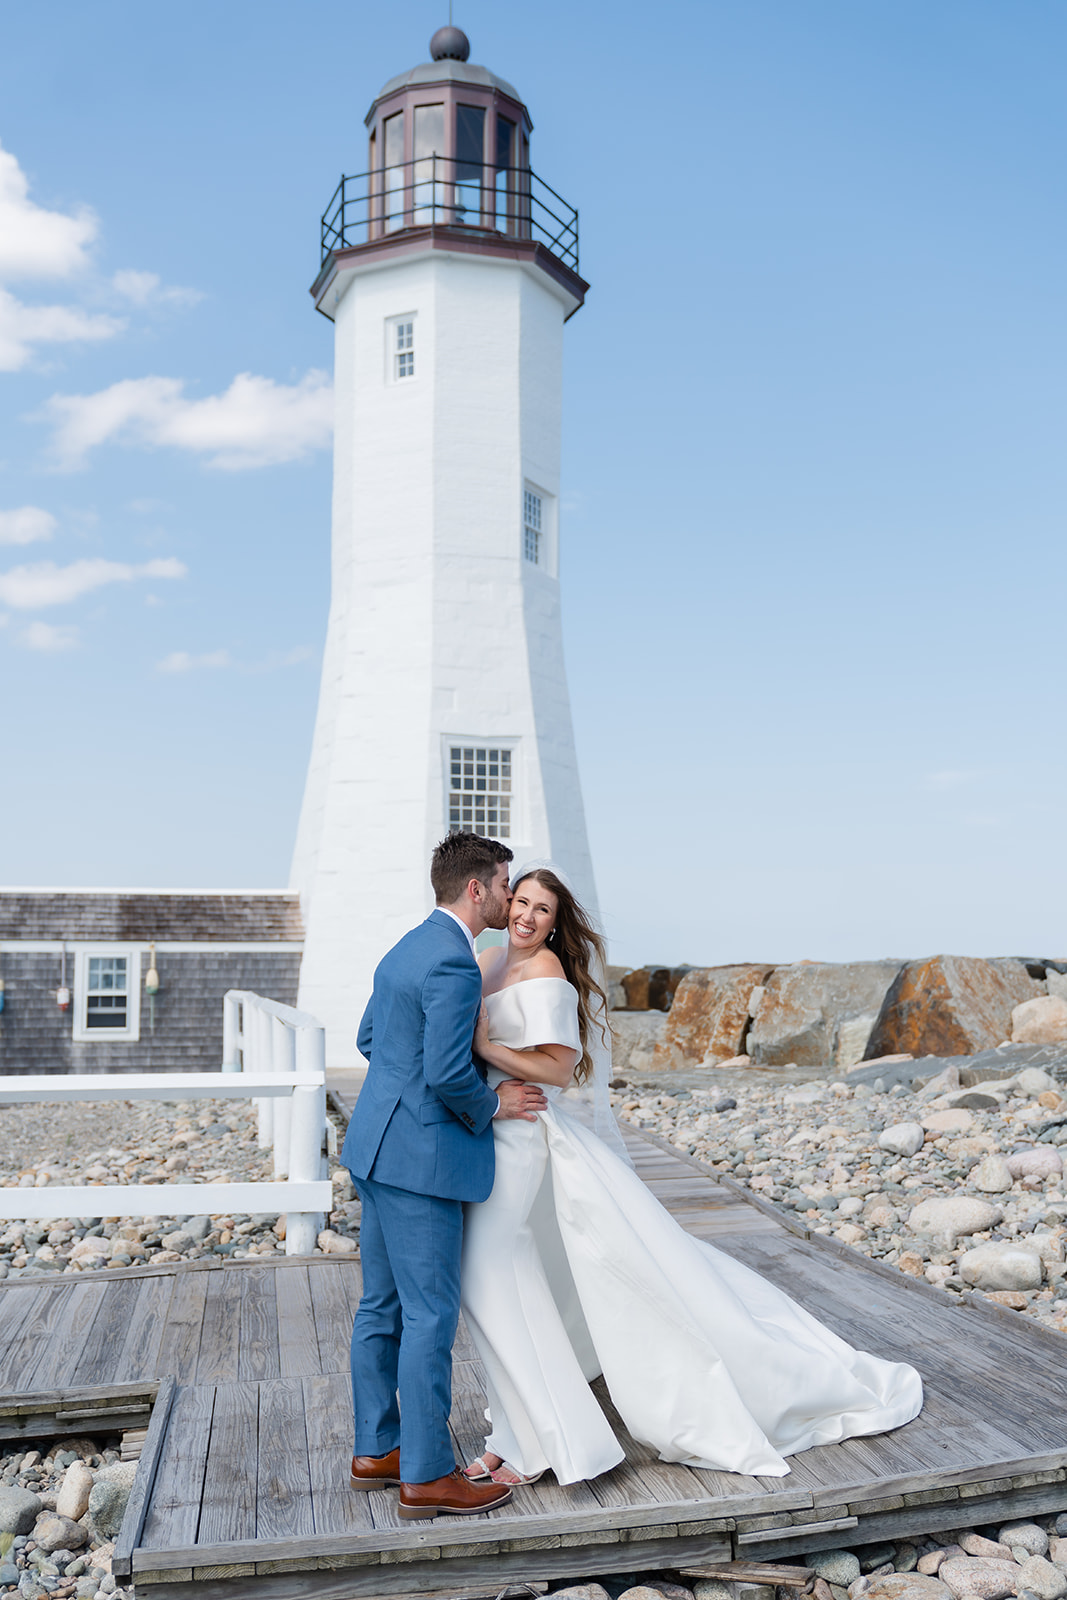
(532, 526)
(480, 789)
(400, 348)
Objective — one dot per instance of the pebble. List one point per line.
(818, 1149)
(56, 1555)
(146, 1141)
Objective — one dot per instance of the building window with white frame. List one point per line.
(532, 526)
(402, 351)
(480, 791)
(107, 995)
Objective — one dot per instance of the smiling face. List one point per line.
(532, 916)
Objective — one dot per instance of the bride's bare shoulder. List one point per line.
(491, 962)
(544, 965)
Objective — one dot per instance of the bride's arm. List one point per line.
(548, 1063)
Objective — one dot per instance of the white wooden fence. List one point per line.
(272, 1054)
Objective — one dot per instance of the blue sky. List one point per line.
(813, 513)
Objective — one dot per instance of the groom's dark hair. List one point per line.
(459, 858)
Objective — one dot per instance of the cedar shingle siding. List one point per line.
(36, 1036)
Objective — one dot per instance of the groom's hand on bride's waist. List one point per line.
(522, 1100)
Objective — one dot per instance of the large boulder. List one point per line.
(950, 1006)
(635, 1036)
(651, 988)
(709, 1015)
(819, 1013)
(1042, 1020)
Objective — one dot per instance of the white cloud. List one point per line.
(254, 423)
(35, 243)
(46, 636)
(23, 326)
(46, 584)
(182, 661)
(146, 289)
(26, 525)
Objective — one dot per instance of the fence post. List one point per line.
(282, 1060)
(231, 1031)
(257, 1024)
(307, 1126)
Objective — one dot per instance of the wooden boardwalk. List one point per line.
(242, 1486)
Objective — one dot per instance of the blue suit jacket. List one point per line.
(423, 1118)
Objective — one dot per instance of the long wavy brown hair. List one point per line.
(578, 945)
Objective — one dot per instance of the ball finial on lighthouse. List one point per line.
(450, 44)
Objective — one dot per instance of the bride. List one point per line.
(572, 1268)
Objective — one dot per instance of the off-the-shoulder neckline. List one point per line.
(509, 987)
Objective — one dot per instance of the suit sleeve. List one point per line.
(451, 996)
(363, 1036)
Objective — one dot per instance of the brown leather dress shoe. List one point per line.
(453, 1494)
(376, 1472)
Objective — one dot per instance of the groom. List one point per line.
(419, 1144)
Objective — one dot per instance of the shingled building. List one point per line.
(75, 962)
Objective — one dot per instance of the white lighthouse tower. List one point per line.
(448, 271)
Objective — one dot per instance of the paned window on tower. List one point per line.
(404, 353)
(105, 992)
(479, 790)
(531, 526)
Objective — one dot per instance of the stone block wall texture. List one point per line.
(35, 1035)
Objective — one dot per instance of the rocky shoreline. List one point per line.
(960, 1184)
(207, 1141)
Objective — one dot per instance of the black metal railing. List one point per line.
(438, 191)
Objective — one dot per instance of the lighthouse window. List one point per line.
(393, 152)
(405, 349)
(106, 994)
(470, 154)
(532, 528)
(505, 159)
(429, 173)
(479, 790)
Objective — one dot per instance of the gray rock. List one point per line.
(179, 1241)
(19, 1510)
(53, 1532)
(705, 1589)
(583, 1591)
(806, 1007)
(989, 1580)
(73, 1497)
(873, 1556)
(903, 1138)
(907, 1586)
(992, 1175)
(9, 1575)
(197, 1228)
(1000, 1265)
(107, 1502)
(1025, 1536)
(1047, 1581)
(954, 1215)
(835, 1566)
(635, 1036)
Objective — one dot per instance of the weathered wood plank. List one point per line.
(98, 1359)
(228, 1509)
(56, 1336)
(283, 1487)
(336, 1508)
(220, 1334)
(298, 1345)
(173, 1513)
(258, 1340)
(144, 1336)
(333, 1317)
(147, 1467)
(179, 1346)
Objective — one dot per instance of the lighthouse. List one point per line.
(448, 270)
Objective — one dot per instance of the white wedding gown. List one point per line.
(572, 1268)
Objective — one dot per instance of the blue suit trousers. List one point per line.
(410, 1246)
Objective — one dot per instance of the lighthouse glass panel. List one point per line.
(532, 526)
(429, 174)
(502, 177)
(393, 153)
(105, 992)
(470, 157)
(479, 790)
